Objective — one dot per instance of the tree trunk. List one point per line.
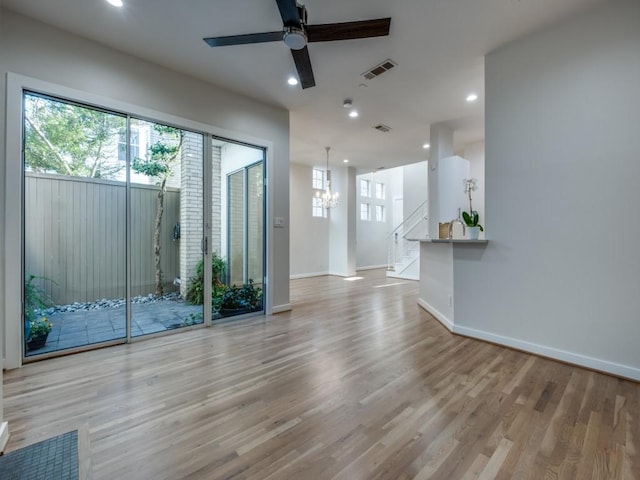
(156, 238)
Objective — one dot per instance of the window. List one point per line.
(134, 145)
(317, 209)
(318, 179)
(380, 191)
(380, 217)
(365, 188)
(365, 211)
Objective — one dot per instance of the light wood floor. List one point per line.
(356, 383)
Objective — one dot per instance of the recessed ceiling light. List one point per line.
(353, 113)
(116, 3)
(292, 81)
(346, 160)
(472, 97)
(425, 146)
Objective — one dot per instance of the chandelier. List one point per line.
(329, 199)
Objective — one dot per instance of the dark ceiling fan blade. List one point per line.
(303, 65)
(289, 13)
(348, 30)
(244, 39)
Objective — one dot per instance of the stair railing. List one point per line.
(404, 237)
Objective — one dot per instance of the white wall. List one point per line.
(474, 152)
(309, 236)
(560, 273)
(36, 50)
(371, 236)
(414, 186)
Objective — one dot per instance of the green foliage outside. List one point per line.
(41, 326)
(68, 139)
(246, 296)
(195, 290)
(162, 156)
(35, 298)
(223, 296)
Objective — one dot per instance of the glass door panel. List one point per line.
(166, 228)
(240, 218)
(236, 233)
(255, 224)
(74, 225)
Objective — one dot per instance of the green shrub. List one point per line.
(35, 298)
(246, 296)
(195, 290)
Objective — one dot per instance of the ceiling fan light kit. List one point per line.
(296, 33)
(294, 38)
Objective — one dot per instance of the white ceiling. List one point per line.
(438, 45)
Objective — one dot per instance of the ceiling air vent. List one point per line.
(378, 70)
(383, 128)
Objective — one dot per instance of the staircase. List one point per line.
(403, 245)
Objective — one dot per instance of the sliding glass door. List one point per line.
(74, 226)
(112, 225)
(116, 233)
(241, 247)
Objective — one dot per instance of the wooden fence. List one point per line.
(75, 233)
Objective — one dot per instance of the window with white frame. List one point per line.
(365, 188)
(380, 191)
(380, 215)
(134, 144)
(317, 209)
(365, 211)
(318, 179)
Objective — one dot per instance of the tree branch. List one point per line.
(46, 141)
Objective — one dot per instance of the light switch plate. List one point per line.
(278, 222)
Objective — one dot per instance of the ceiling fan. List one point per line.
(296, 34)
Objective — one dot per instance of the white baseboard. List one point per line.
(371, 267)
(343, 274)
(308, 275)
(391, 274)
(592, 363)
(281, 308)
(549, 352)
(442, 318)
(4, 436)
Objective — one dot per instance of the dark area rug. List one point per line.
(52, 459)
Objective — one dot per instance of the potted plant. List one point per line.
(238, 300)
(471, 218)
(39, 331)
(35, 300)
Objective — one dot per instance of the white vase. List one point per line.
(473, 233)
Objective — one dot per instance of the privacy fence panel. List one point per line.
(75, 234)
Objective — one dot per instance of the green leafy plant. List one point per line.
(471, 218)
(35, 298)
(246, 296)
(192, 319)
(40, 326)
(195, 290)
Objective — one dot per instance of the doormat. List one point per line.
(55, 458)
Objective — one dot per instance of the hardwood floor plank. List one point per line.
(357, 382)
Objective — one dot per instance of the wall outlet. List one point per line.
(451, 300)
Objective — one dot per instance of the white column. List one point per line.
(441, 146)
(342, 224)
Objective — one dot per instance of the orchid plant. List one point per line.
(471, 218)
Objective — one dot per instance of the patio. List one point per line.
(85, 327)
